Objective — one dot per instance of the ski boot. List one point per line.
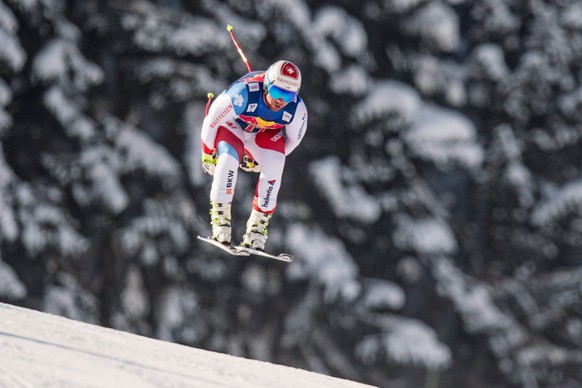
(256, 233)
(220, 221)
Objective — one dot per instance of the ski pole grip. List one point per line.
(210, 97)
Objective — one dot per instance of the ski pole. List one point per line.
(242, 54)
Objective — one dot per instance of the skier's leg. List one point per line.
(268, 149)
(229, 153)
(229, 150)
(269, 182)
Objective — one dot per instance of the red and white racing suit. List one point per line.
(239, 122)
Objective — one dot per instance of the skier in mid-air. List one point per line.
(254, 123)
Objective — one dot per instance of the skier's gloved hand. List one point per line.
(209, 162)
(249, 164)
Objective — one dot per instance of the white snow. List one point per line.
(133, 298)
(347, 32)
(437, 77)
(429, 235)
(438, 124)
(175, 310)
(296, 12)
(388, 98)
(352, 80)
(326, 56)
(61, 61)
(572, 16)
(406, 342)
(400, 6)
(8, 21)
(326, 259)
(66, 297)
(105, 186)
(11, 52)
(516, 173)
(141, 152)
(10, 284)
(404, 345)
(438, 24)
(43, 226)
(383, 294)
(570, 103)
(68, 113)
(347, 201)
(558, 203)
(444, 137)
(39, 349)
(470, 297)
(191, 35)
(193, 39)
(490, 57)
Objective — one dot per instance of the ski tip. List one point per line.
(285, 257)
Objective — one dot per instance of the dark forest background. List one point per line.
(434, 208)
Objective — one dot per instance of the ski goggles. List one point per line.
(276, 93)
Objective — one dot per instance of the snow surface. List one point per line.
(40, 349)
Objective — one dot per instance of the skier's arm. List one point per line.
(220, 111)
(295, 130)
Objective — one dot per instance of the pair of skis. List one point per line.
(239, 250)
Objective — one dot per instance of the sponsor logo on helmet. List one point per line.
(288, 69)
(285, 75)
(283, 82)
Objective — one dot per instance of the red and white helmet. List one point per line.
(284, 75)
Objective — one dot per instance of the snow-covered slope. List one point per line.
(39, 349)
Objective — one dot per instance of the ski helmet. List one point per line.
(283, 80)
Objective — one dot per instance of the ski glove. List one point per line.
(250, 165)
(209, 162)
